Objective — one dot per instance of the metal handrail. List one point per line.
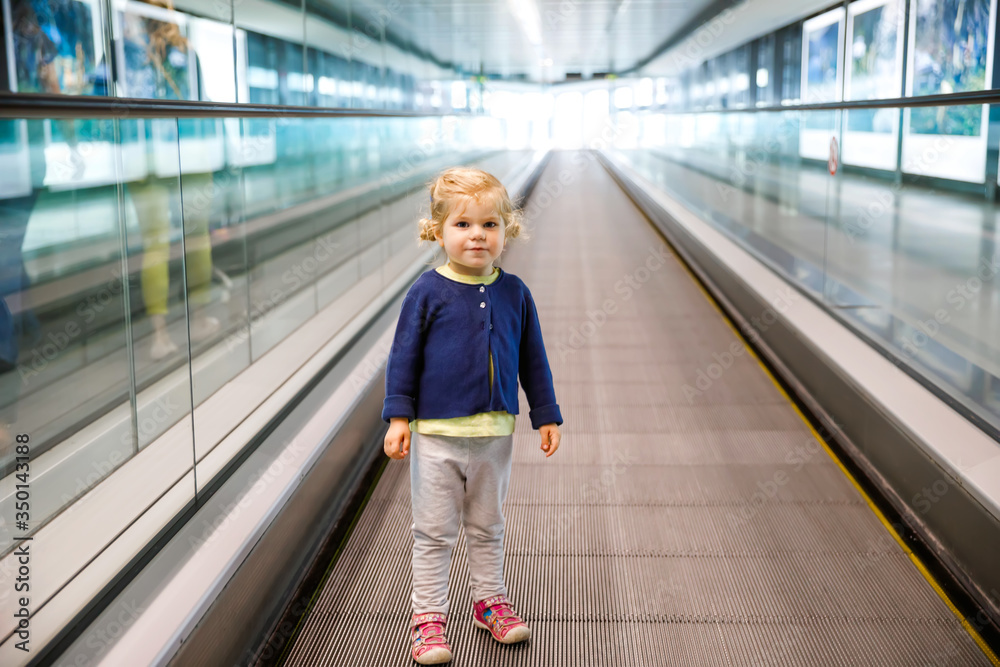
(36, 105)
(943, 100)
(39, 105)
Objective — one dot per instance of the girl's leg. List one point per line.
(152, 206)
(437, 484)
(488, 477)
(198, 193)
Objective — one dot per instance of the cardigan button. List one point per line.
(482, 304)
(491, 327)
(482, 289)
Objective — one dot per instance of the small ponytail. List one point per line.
(427, 229)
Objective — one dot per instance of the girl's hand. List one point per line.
(397, 439)
(550, 438)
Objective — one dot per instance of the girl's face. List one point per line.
(473, 237)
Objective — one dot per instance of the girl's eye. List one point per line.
(491, 224)
(461, 223)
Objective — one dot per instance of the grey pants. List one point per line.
(457, 479)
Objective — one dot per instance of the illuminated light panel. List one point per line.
(526, 13)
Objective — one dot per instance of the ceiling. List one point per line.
(576, 36)
(738, 25)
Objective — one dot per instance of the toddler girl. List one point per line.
(466, 332)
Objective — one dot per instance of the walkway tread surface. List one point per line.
(669, 528)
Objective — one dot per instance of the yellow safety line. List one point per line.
(878, 513)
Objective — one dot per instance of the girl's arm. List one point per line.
(402, 369)
(536, 377)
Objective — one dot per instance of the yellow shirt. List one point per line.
(484, 423)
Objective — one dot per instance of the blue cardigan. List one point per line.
(438, 366)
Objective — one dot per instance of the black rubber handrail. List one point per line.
(944, 100)
(33, 105)
(38, 105)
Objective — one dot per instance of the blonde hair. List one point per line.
(161, 35)
(457, 183)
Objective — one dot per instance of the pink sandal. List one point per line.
(430, 646)
(496, 615)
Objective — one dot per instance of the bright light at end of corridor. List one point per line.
(644, 93)
(623, 97)
(526, 13)
(459, 99)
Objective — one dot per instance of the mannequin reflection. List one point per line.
(152, 204)
(159, 63)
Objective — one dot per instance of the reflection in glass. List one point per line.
(154, 221)
(56, 45)
(875, 71)
(915, 268)
(821, 57)
(874, 50)
(215, 275)
(790, 45)
(948, 52)
(16, 321)
(128, 246)
(154, 55)
(765, 74)
(159, 61)
(821, 78)
(64, 372)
